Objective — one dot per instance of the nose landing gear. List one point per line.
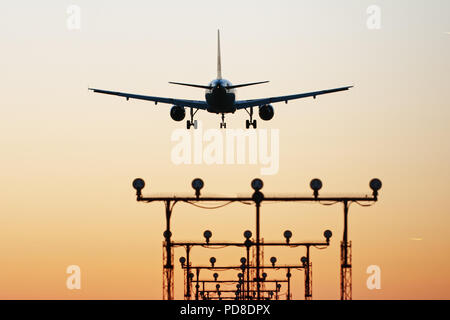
(223, 124)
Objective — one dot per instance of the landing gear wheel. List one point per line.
(250, 123)
(190, 124)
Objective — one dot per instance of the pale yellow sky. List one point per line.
(69, 156)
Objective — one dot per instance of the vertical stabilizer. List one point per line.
(219, 65)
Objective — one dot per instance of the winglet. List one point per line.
(219, 65)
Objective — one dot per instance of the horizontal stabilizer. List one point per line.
(245, 84)
(191, 85)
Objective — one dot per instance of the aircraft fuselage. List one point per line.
(220, 99)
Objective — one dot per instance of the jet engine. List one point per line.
(266, 112)
(177, 113)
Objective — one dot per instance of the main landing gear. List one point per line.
(223, 124)
(251, 122)
(192, 122)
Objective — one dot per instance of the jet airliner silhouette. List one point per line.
(220, 98)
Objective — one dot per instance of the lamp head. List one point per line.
(167, 234)
(316, 185)
(273, 260)
(304, 260)
(288, 235)
(138, 184)
(258, 197)
(327, 234)
(197, 185)
(375, 185)
(207, 234)
(257, 184)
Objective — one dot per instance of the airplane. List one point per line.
(220, 98)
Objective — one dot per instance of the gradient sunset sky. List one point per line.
(68, 156)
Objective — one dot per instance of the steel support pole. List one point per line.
(346, 266)
(168, 266)
(258, 205)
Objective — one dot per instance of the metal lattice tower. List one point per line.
(346, 270)
(308, 282)
(168, 292)
(253, 262)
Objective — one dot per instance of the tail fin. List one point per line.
(219, 65)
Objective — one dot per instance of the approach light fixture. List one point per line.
(247, 234)
(316, 185)
(288, 235)
(138, 184)
(375, 185)
(207, 234)
(273, 260)
(197, 184)
(167, 234)
(257, 184)
(327, 234)
(304, 260)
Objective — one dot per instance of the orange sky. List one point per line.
(69, 156)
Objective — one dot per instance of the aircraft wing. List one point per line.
(177, 102)
(242, 104)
